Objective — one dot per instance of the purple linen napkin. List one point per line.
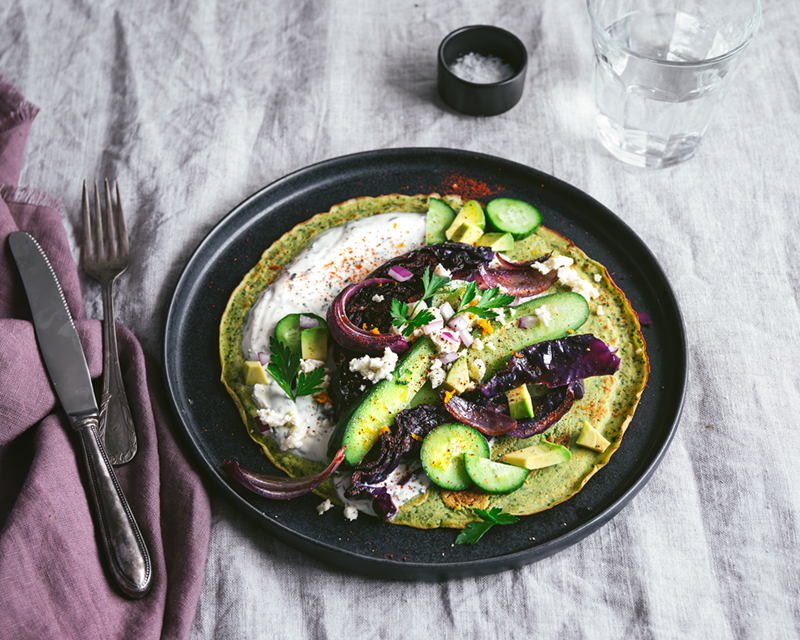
(52, 582)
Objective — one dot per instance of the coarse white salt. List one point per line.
(480, 69)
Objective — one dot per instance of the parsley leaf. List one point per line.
(432, 285)
(491, 298)
(475, 530)
(283, 367)
(309, 384)
(414, 319)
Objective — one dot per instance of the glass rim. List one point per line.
(755, 22)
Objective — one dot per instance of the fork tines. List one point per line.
(111, 242)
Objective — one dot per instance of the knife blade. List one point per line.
(125, 550)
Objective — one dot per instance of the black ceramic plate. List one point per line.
(212, 424)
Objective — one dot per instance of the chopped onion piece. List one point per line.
(526, 322)
(466, 337)
(263, 358)
(459, 322)
(447, 358)
(401, 274)
(308, 323)
(435, 325)
(447, 311)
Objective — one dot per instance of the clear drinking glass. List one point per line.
(661, 69)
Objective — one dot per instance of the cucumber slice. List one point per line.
(494, 477)
(443, 450)
(288, 329)
(513, 216)
(438, 219)
(361, 426)
(471, 213)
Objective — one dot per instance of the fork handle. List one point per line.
(126, 552)
(116, 422)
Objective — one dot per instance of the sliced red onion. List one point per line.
(485, 420)
(516, 281)
(276, 487)
(433, 326)
(466, 337)
(644, 319)
(447, 358)
(308, 323)
(459, 322)
(511, 264)
(517, 301)
(526, 322)
(349, 336)
(263, 358)
(447, 311)
(401, 274)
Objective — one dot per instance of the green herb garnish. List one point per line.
(283, 368)
(413, 319)
(474, 530)
(491, 298)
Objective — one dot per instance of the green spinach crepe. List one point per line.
(608, 402)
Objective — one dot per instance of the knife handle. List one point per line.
(126, 551)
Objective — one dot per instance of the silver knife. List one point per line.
(126, 552)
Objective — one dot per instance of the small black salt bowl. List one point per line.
(476, 99)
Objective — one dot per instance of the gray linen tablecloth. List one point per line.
(195, 105)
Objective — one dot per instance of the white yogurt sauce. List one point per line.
(335, 258)
(405, 482)
(308, 284)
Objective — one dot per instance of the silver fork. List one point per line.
(105, 258)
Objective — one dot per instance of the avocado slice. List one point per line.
(497, 241)
(520, 404)
(314, 343)
(438, 219)
(254, 373)
(543, 454)
(467, 234)
(591, 438)
(471, 213)
(457, 378)
(360, 427)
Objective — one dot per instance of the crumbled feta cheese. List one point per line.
(568, 276)
(477, 344)
(324, 506)
(597, 277)
(307, 366)
(638, 351)
(272, 418)
(600, 310)
(553, 262)
(441, 271)
(350, 512)
(477, 370)
(375, 369)
(443, 345)
(544, 315)
(294, 440)
(436, 374)
(489, 345)
(377, 298)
